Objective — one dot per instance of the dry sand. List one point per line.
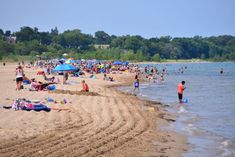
(109, 124)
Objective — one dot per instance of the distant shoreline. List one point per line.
(180, 61)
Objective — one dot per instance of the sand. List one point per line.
(111, 123)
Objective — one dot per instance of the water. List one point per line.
(208, 119)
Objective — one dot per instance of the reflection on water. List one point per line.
(208, 118)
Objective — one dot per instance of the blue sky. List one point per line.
(148, 18)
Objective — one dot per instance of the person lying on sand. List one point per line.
(52, 79)
(35, 86)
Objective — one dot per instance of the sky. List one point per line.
(148, 18)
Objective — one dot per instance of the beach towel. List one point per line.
(40, 73)
(25, 82)
(36, 107)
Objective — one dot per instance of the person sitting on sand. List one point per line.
(38, 85)
(105, 77)
(110, 79)
(52, 79)
(85, 87)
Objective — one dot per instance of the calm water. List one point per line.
(208, 119)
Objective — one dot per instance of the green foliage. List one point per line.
(1, 32)
(102, 38)
(156, 58)
(30, 41)
(6, 48)
(128, 56)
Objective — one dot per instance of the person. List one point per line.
(162, 77)
(26, 80)
(35, 86)
(19, 77)
(65, 78)
(136, 85)
(221, 71)
(105, 77)
(85, 87)
(180, 90)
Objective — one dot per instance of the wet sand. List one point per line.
(111, 123)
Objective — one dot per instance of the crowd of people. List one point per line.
(92, 67)
(82, 69)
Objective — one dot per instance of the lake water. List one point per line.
(208, 119)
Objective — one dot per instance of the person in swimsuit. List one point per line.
(19, 77)
(136, 85)
(85, 87)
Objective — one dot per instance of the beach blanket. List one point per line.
(22, 104)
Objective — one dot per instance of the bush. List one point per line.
(156, 58)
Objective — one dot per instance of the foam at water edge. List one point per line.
(182, 110)
(225, 148)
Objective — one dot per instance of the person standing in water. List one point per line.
(136, 85)
(221, 71)
(180, 90)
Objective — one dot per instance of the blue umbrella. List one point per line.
(125, 63)
(117, 63)
(65, 67)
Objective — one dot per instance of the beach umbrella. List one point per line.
(117, 63)
(125, 63)
(65, 67)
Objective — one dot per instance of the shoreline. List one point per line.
(163, 119)
(172, 62)
(110, 124)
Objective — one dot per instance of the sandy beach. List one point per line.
(109, 124)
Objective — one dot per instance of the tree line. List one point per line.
(31, 42)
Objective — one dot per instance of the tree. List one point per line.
(27, 34)
(1, 32)
(8, 33)
(102, 38)
(6, 48)
(133, 43)
(156, 58)
(45, 38)
(54, 32)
